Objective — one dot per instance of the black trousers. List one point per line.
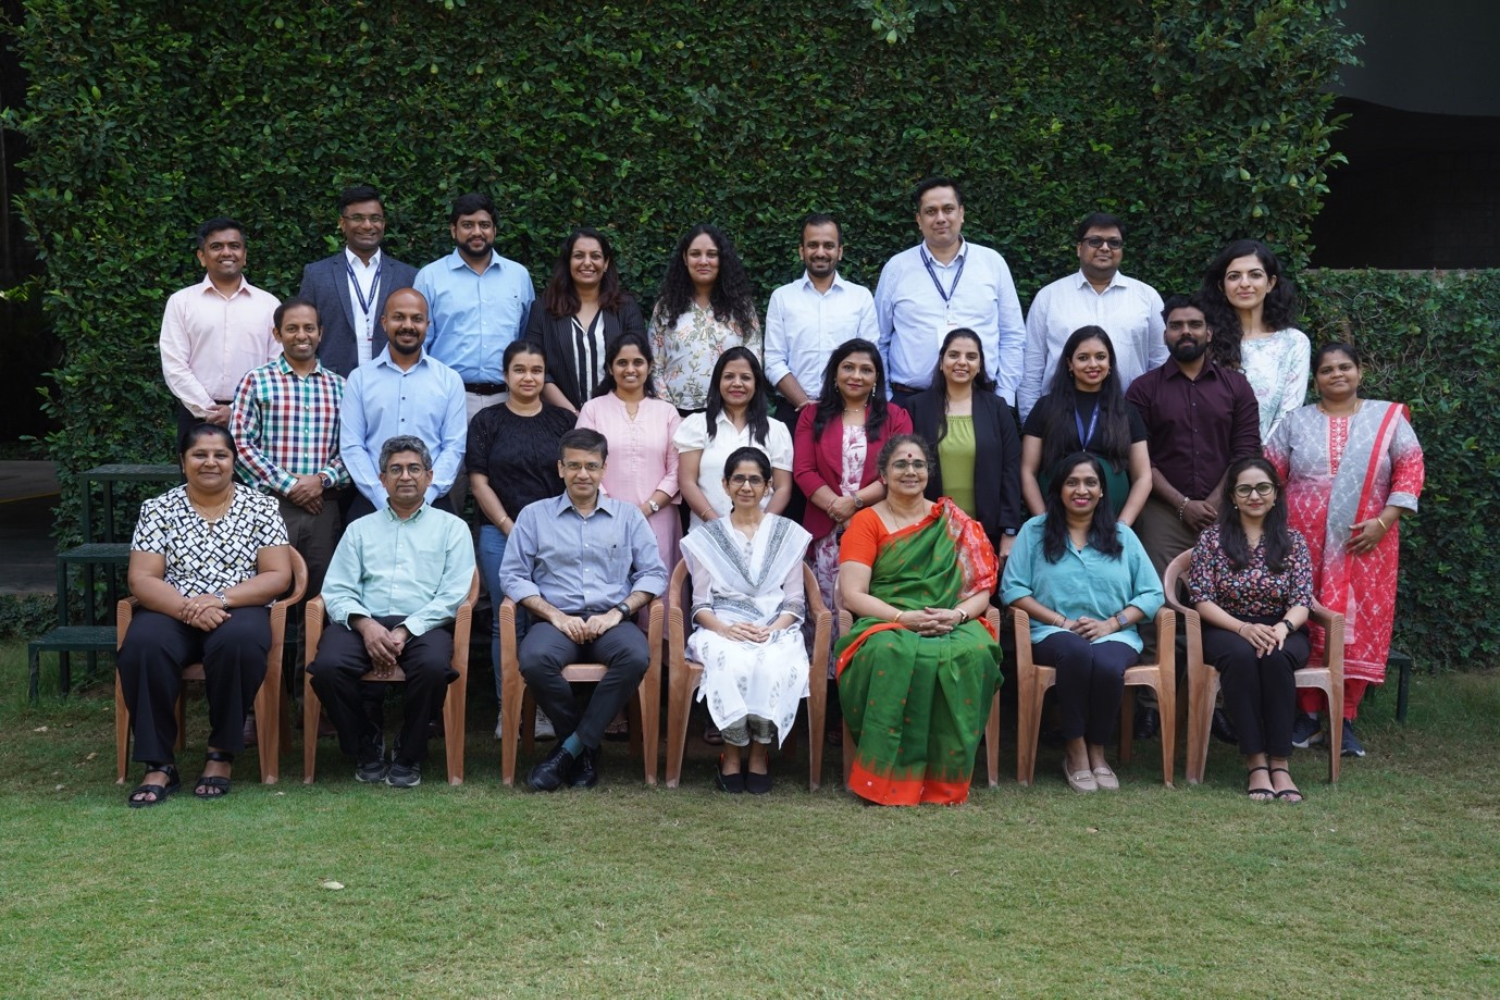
(1260, 692)
(342, 661)
(1090, 682)
(545, 651)
(156, 649)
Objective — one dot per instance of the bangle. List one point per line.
(1062, 620)
(1182, 506)
(896, 618)
(1381, 521)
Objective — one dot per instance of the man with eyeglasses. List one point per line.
(583, 564)
(1098, 295)
(350, 288)
(941, 284)
(395, 583)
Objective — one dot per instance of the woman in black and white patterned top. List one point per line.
(206, 560)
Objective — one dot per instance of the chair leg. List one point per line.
(992, 741)
(650, 719)
(1203, 687)
(455, 706)
(1335, 728)
(1127, 725)
(817, 726)
(635, 716)
(268, 719)
(1166, 702)
(678, 705)
(312, 707)
(122, 732)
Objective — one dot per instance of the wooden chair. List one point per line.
(454, 705)
(991, 728)
(684, 674)
(268, 708)
(1203, 679)
(1033, 680)
(518, 708)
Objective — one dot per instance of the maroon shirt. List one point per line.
(1196, 428)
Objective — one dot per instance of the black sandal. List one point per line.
(216, 786)
(1286, 793)
(174, 782)
(1258, 794)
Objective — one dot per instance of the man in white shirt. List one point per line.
(213, 332)
(939, 285)
(1098, 295)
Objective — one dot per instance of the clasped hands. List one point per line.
(384, 645)
(930, 621)
(1264, 638)
(1092, 628)
(746, 632)
(204, 612)
(582, 630)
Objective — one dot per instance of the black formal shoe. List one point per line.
(1223, 729)
(370, 766)
(1147, 722)
(585, 769)
(553, 772)
(758, 784)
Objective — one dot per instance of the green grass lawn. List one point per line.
(1388, 885)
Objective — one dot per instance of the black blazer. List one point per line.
(997, 458)
(555, 334)
(326, 283)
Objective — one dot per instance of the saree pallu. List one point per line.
(916, 706)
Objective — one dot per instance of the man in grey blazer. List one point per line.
(350, 288)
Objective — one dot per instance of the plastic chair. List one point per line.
(991, 728)
(517, 704)
(684, 675)
(1203, 679)
(1033, 680)
(268, 705)
(454, 705)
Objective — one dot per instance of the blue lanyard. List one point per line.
(364, 305)
(932, 273)
(1084, 439)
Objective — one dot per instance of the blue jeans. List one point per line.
(491, 552)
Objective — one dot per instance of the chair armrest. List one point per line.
(1333, 625)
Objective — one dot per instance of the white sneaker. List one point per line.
(544, 730)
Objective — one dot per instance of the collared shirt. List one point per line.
(692, 435)
(686, 351)
(804, 325)
(381, 400)
(210, 340)
(1196, 427)
(581, 565)
(913, 318)
(287, 425)
(202, 556)
(420, 567)
(363, 283)
(474, 317)
(1128, 310)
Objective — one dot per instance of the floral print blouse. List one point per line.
(1254, 591)
(685, 353)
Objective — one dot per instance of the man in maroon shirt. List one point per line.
(1199, 418)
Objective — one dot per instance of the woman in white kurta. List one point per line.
(748, 604)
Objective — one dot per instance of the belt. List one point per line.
(484, 388)
(910, 390)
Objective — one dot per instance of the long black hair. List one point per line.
(831, 401)
(1274, 533)
(1103, 535)
(983, 382)
(607, 384)
(560, 297)
(755, 411)
(1112, 436)
(732, 300)
(1278, 312)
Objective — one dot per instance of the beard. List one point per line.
(1189, 350)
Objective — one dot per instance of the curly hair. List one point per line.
(732, 299)
(1278, 312)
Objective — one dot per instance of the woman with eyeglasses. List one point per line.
(1087, 584)
(748, 606)
(918, 669)
(1251, 581)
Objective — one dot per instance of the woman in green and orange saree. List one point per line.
(918, 670)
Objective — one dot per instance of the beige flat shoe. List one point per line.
(1080, 781)
(1106, 779)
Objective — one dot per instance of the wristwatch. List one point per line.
(653, 505)
(1124, 622)
(223, 599)
(624, 608)
(1290, 628)
(859, 502)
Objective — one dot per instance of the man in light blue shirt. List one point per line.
(402, 391)
(1098, 295)
(939, 285)
(397, 577)
(582, 564)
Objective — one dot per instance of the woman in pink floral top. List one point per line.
(1251, 580)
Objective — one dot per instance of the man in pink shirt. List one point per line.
(217, 330)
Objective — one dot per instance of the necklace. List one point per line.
(216, 512)
(1332, 413)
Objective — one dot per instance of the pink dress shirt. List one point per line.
(209, 341)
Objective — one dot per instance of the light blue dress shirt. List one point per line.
(421, 568)
(913, 318)
(581, 565)
(381, 401)
(1086, 583)
(803, 326)
(1128, 310)
(474, 317)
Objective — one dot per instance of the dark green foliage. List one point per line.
(26, 616)
(1430, 340)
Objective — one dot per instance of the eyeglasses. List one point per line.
(1113, 242)
(912, 465)
(359, 220)
(590, 466)
(738, 481)
(1259, 489)
(414, 470)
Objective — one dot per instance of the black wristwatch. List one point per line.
(1290, 628)
(624, 608)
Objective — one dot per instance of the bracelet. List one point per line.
(963, 616)
(1062, 621)
(896, 618)
(1182, 506)
(1381, 521)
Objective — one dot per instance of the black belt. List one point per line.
(484, 388)
(908, 389)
